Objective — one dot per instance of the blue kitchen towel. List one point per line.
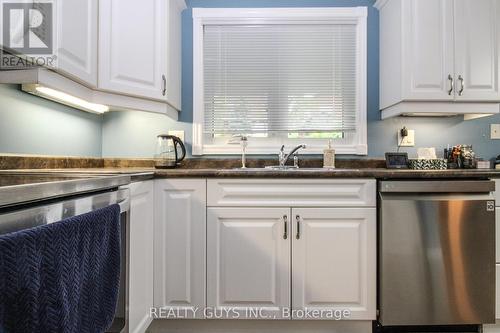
(61, 277)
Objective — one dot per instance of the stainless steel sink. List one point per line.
(287, 168)
(284, 168)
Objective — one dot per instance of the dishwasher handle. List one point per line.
(437, 186)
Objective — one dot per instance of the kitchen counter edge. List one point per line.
(379, 173)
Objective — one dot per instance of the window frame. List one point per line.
(329, 15)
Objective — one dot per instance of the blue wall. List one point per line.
(33, 125)
(133, 134)
(430, 132)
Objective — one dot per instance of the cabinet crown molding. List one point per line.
(181, 4)
(379, 4)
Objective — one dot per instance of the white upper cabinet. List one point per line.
(174, 52)
(334, 260)
(477, 49)
(132, 47)
(140, 48)
(428, 50)
(123, 54)
(439, 52)
(77, 40)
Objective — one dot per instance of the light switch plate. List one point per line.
(495, 132)
(408, 141)
(179, 134)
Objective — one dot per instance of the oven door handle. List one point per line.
(125, 203)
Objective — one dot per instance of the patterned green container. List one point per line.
(434, 164)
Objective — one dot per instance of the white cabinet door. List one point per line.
(477, 50)
(248, 260)
(132, 47)
(141, 256)
(427, 58)
(77, 39)
(334, 260)
(179, 245)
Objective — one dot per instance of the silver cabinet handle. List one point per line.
(452, 84)
(164, 85)
(462, 85)
(297, 236)
(285, 227)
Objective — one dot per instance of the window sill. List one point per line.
(266, 150)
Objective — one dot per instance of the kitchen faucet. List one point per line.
(283, 157)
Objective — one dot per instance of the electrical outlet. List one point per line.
(495, 132)
(179, 134)
(408, 141)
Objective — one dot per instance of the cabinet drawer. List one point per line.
(291, 192)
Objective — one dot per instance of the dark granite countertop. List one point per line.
(138, 174)
(311, 167)
(379, 173)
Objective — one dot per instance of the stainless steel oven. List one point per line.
(28, 214)
(436, 253)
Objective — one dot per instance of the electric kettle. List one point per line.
(167, 151)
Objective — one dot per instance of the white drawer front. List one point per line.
(292, 192)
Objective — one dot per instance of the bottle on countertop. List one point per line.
(329, 156)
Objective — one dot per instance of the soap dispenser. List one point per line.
(329, 156)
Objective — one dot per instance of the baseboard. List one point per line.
(258, 326)
(143, 324)
(492, 328)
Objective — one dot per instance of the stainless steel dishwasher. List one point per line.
(436, 253)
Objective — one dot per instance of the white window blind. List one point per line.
(280, 78)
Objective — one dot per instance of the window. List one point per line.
(279, 76)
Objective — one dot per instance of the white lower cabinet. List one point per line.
(313, 260)
(140, 256)
(248, 261)
(179, 245)
(304, 254)
(496, 328)
(334, 261)
(285, 261)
